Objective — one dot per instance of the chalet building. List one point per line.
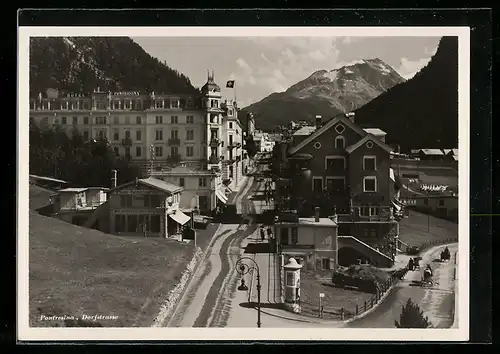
(203, 190)
(146, 207)
(77, 205)
(311, 241)
(344, 170)
(155, 130)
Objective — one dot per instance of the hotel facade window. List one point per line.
(100, 120)
(181, 182)
(159, 119)
(159, 151)
(369, 163)
(174, 120)
(138, 135)
(189, 151)
(75, 120)
(138, 120)
(86, 120)
(86, 135)
(158, 104)
(174, 151)
(190, 134)
(335, 163)
(317, 184)
(202, 182)
(116, 134)
(138, 104)
(190, 120)
(339, 142)
(335, 184)
(63, 120)
(370, 184)
(159, 134)
(138, 151)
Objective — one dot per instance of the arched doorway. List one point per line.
(348, 256)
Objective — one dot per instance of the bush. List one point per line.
(365, 278)
(412, 317)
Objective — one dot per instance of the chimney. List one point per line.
(350, 115)
(113, 179)
(316, 214)
(318, 122)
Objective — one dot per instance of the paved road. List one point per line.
(203, 293)
(437, 303)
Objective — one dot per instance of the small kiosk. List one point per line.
(292, 285)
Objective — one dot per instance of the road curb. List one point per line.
(193, 274)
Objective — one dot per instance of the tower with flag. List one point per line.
(230, 84)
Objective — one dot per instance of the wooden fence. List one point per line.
(344, 313)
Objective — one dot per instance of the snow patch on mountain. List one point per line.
(331, 75)
(352, 63)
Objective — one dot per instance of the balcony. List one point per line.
(213, 160)
(365, 214)
(127, 142)
(82, 207)
(214, 142)
(174, 159)
(174, 141)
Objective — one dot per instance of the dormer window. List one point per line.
(174, 104)
(339, 142)
(158, 104)
(117, 105)
(369, 144)
(339, 128)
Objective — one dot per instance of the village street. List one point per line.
(437, 302)
(211, 298)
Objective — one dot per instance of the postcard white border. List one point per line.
(25, 333)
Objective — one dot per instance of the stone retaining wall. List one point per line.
(168, 305)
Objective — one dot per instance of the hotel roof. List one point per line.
(432, 151)
(72, 190)
(310, 222)
(375, 131)
(158, 183)
(307, 130)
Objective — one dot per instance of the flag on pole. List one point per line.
(230, 84)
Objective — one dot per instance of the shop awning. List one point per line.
(398, 207)
(221, 196)
(391, 175)
(180, 217)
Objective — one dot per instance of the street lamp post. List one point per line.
(243, 269)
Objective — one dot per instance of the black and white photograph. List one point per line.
(243, 183)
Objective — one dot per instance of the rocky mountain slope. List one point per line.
(422, 112)
(80, 64)
(326, 93)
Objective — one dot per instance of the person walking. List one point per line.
(262, 234)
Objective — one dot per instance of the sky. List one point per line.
(263, 65)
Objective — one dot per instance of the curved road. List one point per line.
(438, 302)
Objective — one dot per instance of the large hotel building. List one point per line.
(198, 132)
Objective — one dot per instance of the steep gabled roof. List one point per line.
(372, 138)
(339, 119)
(153, 183)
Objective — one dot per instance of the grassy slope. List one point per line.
(38, 196)
(413, 230)
(75, 271)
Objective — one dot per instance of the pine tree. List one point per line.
(412, 317)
